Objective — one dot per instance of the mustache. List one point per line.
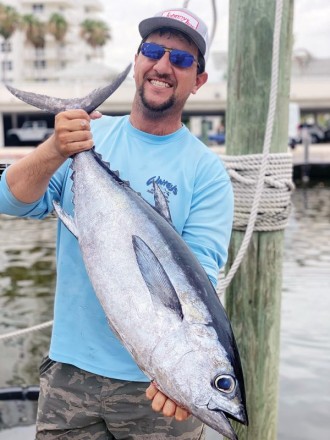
(161, 76)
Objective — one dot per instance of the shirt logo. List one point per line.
(166, 186)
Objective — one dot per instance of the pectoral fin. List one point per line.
(155, 277)
(66, 219)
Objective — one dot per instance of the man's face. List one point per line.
(161, 85)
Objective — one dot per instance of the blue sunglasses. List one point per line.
(179, 58)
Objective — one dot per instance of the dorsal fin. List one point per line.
(161, 203)
(107, 167)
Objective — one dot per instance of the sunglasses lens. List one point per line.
(152, 50)
(181, 58)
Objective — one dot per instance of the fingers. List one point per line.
(161, 403)
(73, 131)
(95, 115)
(181, 414)
(151, 391)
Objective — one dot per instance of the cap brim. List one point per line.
(151, 24)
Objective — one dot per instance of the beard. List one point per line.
(155, 110)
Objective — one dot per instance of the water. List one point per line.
(305, 336)
(26, 296)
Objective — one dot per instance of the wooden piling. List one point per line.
(253, 299)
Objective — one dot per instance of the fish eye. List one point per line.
(224, 383)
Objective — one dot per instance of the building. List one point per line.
(72, 70)
(22, 62)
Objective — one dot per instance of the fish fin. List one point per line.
(155, 277)
(66, 219)
(56, 105)
(106, 165)
(161, 203)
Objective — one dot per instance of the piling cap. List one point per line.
(181, 19)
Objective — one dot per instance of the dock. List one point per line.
(317, 165)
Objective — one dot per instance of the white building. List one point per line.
(23, 62)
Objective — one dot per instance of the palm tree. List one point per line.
(95, 32)
(9, 22)
(58, 27)
(35, 31)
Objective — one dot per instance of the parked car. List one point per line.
(316, 132)
(327, 135)
(31, 132)
(218, 138)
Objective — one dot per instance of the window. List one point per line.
(40, 64)
(7, 66)
(5, 47)
(37, 7)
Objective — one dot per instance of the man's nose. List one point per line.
(163, 65)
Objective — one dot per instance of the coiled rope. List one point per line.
(273, 207)
(269, 194)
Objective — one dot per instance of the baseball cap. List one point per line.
(181, 19)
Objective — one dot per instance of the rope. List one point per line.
(25, 330)
(275, 201)
(266, 147)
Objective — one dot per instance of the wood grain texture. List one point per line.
(253, 299)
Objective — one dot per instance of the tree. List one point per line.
(57, 26)
(10, 21)
(95, 33)
(35, 31)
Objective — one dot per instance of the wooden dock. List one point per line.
(317, 154)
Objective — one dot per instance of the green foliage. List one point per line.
(35, 30)
(10, 20)
(58, 27)
(95, 32)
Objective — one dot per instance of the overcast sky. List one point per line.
(311, 25)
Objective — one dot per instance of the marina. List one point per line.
(276, 283)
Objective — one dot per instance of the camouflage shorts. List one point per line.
(75, 404)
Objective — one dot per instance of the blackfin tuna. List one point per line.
(168, 314)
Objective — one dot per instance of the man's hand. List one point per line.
(162, 403)
(72, 132)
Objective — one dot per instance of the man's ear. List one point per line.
(201, 79)
(134, 65)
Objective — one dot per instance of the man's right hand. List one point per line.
(72, 132)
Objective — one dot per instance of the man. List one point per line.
(90, 386)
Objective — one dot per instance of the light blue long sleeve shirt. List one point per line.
(200, 198)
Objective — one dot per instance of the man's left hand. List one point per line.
(162, 403)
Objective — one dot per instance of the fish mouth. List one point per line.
(222, 417)
(235, 412)
(240, 418)
(219, 421)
